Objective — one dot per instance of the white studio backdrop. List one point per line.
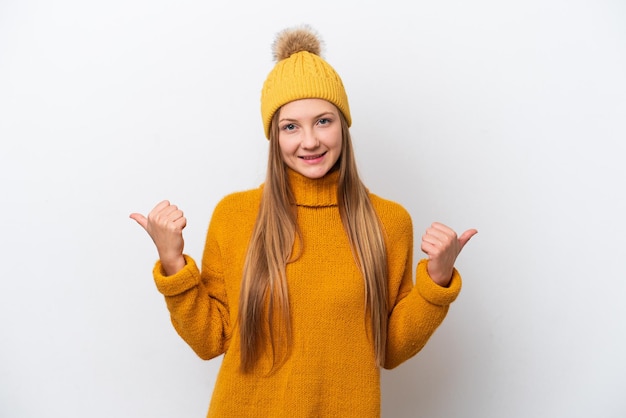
(506, 116)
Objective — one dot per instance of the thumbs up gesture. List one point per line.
(165, 224)
(442, 246)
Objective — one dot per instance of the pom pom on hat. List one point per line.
(300, 73)
(293, 40)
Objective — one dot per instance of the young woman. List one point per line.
(306, 282)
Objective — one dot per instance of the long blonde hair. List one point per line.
(264, 295)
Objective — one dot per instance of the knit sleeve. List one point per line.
(197, 302)
(417, 309)
(416, 316)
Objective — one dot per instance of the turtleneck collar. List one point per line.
(314, 192)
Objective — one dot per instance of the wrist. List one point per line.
(172, 265)
(442, 280)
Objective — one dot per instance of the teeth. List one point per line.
(311, 157)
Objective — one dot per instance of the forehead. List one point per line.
(304, 108)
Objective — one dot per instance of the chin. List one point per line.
(316, 173)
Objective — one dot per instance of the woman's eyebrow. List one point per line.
(314, 117)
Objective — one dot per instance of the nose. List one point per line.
(309, 139)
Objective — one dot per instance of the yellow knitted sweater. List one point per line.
(331, 370)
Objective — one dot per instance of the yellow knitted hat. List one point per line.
(300, 73)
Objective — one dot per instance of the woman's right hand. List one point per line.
(165, 224)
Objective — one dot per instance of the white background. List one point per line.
(506, 116)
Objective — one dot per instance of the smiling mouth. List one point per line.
(313, 157)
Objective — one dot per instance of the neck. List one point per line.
(314, 192)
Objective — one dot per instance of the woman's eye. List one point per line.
(289, 127)
(324, 121)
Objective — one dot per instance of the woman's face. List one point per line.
(310, 136)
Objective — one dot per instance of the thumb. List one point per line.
(140, 219)
(465, 237)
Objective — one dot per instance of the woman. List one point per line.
(306, 282)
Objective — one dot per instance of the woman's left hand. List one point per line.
(442, 246)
